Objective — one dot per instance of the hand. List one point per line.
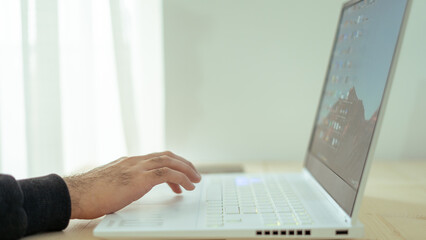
(111, 187)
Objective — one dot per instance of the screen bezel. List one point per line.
(344, 195)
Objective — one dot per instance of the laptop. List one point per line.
(323, 200)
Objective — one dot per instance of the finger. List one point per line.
(167, 161)
(175, 187)
(170, 154)
(165, 174)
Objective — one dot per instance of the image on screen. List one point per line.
(357, 75)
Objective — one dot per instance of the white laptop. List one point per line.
(323, 200)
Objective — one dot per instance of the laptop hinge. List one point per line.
(339, 210)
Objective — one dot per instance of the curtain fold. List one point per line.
(40, 49)
(12, 116)
(124, 75)
(78, 87)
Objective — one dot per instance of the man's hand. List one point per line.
(109, 188)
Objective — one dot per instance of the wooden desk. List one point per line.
(394, 205)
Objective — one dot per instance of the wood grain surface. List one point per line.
(394, 204)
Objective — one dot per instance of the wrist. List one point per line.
(72, 185)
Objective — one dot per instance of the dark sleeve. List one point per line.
(33, 205)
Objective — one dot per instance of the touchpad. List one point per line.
(160, 207)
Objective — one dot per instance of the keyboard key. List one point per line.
(214, 208)
(280, 204)
(264, 205)
(213, 196)
(231, 203)
(287, 216)
(232, 210)
(247, 205)
(249, 210)
(214, 212)
(233, 218)
(265, 209)
(214, 203)
(284, 209)
(214, 218)
(266, 197)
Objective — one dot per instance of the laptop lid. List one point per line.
(353, 97)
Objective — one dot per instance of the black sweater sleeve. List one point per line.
(33, 205)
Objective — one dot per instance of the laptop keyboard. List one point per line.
(230, 199)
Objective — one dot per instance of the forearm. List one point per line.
(76, 189)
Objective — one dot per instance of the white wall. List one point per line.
(243, 79)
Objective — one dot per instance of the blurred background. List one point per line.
(85, 82)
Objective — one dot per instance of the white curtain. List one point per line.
(81, 83)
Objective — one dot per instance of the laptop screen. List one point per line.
(359, 67)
